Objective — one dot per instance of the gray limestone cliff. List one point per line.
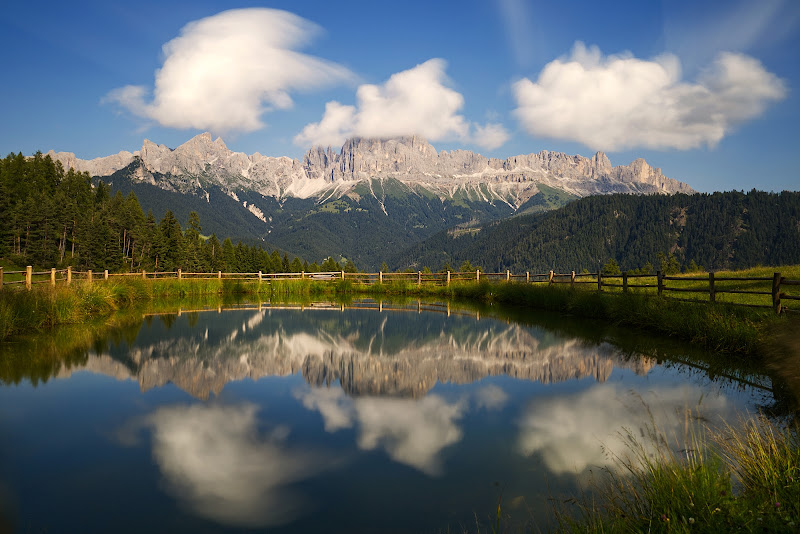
(411, 160)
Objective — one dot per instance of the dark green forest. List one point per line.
(380, 218)
(730, 230)
(55, 218)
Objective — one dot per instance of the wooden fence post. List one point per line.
(448, 281)
(28, 277)
(572, 279)
(302, 275)
(776, 292)
(508, 275)
(69, 275)
(1, 278)
(52, 277)
(599, 280)
(260, 276)
(477, 275)
(180, 274)
(527, 277)
(550, 280)
(219, 275)
(624, 281)
(89, 275)
(660, 282)
(380, 277)
(105, 274)
(342, 278)
(712, 291)
(419, 278)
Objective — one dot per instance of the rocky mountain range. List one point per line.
(366, 202)
(324, 173)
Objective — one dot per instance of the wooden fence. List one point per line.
(624, 281)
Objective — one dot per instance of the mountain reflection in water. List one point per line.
(401, 355)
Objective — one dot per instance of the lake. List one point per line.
(359, 417)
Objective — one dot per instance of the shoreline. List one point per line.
(719, 327)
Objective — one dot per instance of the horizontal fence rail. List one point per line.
(664, 285)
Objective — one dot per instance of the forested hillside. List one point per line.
(716, 231)
(53, 218)
(378, 218)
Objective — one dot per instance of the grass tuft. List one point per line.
(743, 479)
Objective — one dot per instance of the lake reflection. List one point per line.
(343, 419)
(365, 352)
(215, 458)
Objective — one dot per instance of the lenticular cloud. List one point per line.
(619, 102)
(225, 71)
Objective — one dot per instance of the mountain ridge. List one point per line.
(370, 199)
(324, 173)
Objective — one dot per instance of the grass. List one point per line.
(720, 327)
(44, 306)
(791, 272)
(745, 479)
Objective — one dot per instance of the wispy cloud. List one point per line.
(223, 72)
(492, 135)
(737, 26)
(617, 102)
(416, 101)
(520, 32)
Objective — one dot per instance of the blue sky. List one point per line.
(705, 90)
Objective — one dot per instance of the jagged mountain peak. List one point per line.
(411, 160)
(204, 140)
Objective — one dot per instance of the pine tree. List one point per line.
(229, 256)
(172, 249)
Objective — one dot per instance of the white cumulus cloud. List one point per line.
(223, 72)
(416, 101)
(619, 102)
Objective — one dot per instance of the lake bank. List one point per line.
(721, 327)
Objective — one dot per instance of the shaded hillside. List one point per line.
(717, 231)
(219, 213)
(379, 218)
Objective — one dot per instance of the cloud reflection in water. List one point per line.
(572, 432)
(413, 432)
(216, 461)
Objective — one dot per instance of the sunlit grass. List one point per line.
(720, 326)
(735, 479)
(791, 272)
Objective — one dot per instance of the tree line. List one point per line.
(728, 230)
(52, 217)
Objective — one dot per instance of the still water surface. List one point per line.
(370, 417)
